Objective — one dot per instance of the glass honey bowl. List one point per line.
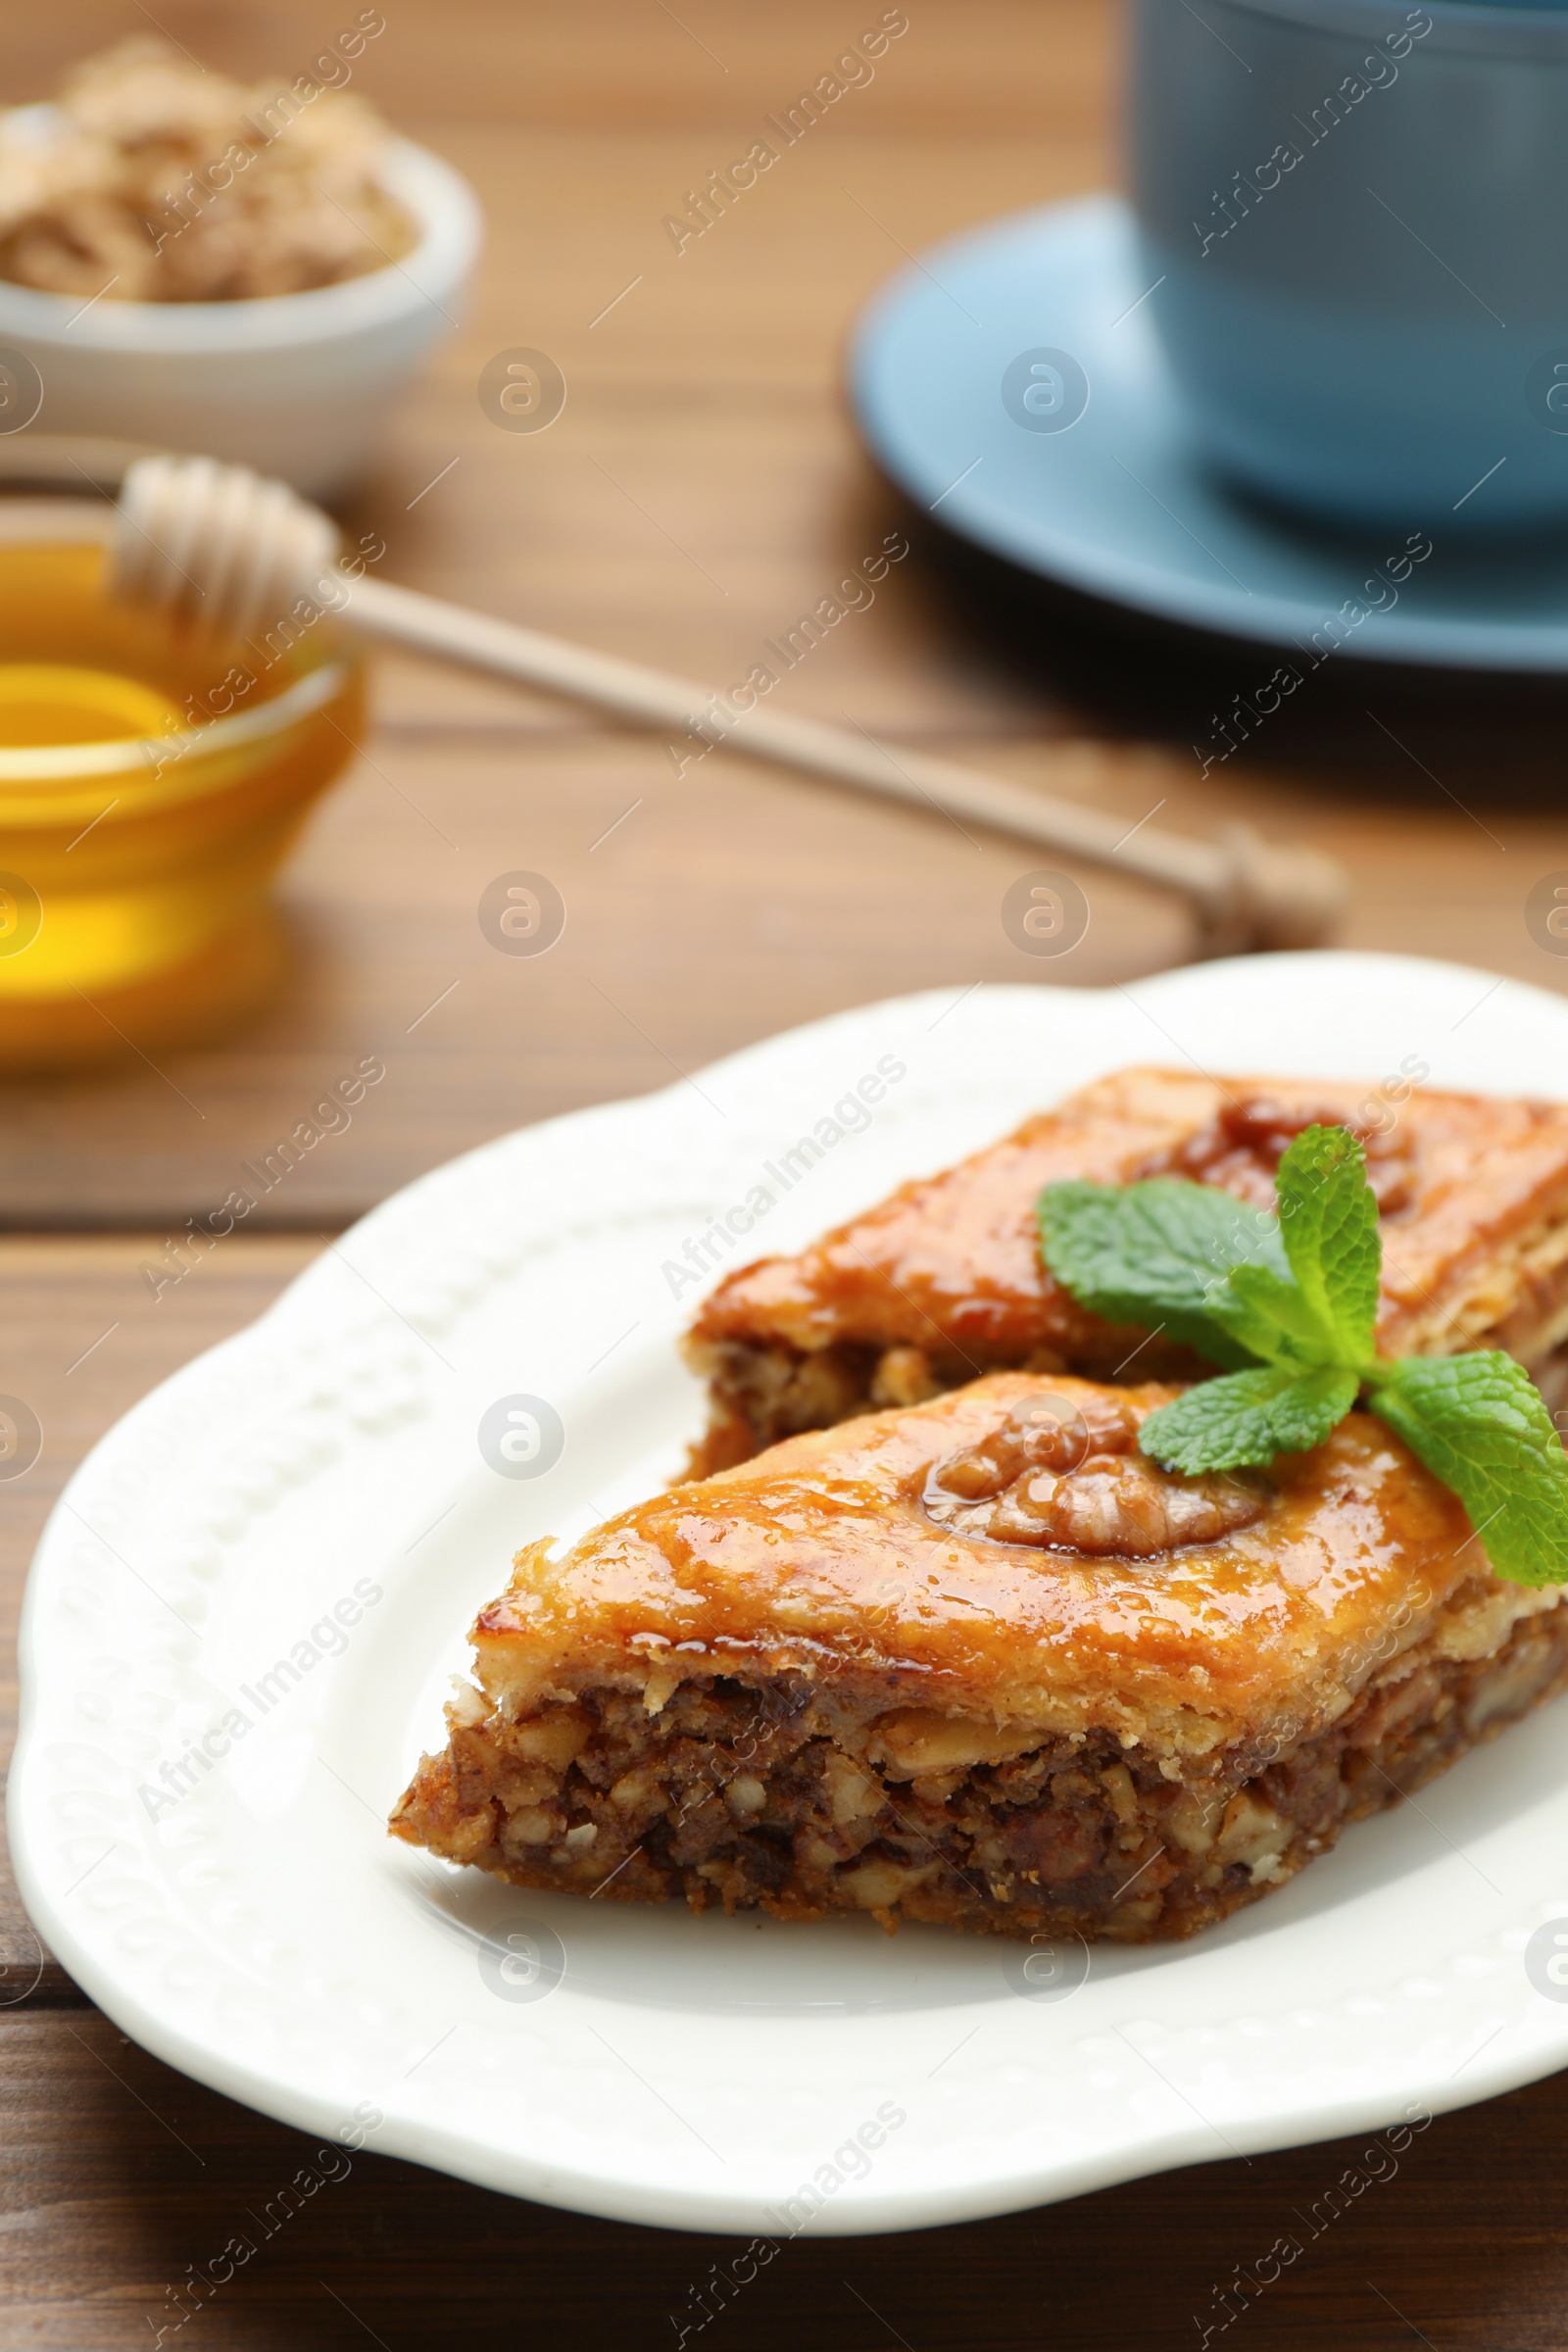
(151, 782)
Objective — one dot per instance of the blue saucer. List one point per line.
(1011, 382)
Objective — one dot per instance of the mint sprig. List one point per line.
(1159, 1254)
(1329, 1224)
(1249, 1417)
(1286, 1307)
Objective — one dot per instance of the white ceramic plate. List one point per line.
(262, 1932)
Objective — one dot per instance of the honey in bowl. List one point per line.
(151, 784)
(58, 701)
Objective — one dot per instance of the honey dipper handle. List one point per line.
(1246, 893)
(220, 548)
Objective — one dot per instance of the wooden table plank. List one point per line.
(720, 909)
(121, 2174)
(1036, 67)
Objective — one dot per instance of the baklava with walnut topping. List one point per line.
(944, 1281)
(980, 1662)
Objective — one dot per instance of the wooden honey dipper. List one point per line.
(228, 552)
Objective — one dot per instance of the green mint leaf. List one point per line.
(1272, 1315)
(1159, 1254)
(1479, 1424)
(1329, 1226)
(1249, 1417)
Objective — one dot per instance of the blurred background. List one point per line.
(701, 489)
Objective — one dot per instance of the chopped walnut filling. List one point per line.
(1050, 1475)
(807, 1797)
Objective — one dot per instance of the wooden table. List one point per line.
(703, 487)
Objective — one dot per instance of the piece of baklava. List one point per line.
(944, 1281)
(980, 1662)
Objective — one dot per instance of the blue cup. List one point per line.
(1360, 216)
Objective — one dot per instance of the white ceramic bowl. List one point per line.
(297, 385)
